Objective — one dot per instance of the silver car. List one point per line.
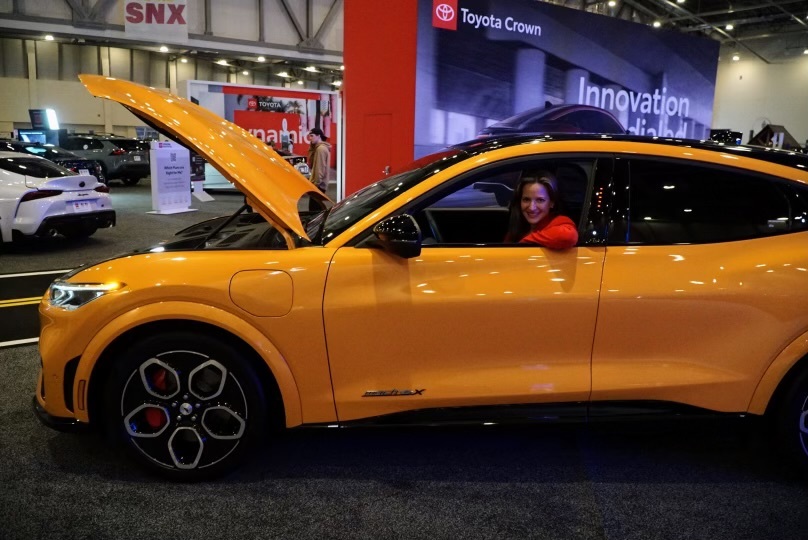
(121, 158)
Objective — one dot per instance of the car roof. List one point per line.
(790, 158)
(18, 155)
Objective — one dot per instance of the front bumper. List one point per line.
(66, 425)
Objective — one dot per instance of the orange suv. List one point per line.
(686, 294)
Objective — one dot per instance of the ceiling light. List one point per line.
(805, 51)
(49, 38)
(657, 24)
(245, 72)
(299, 82)
(680, 1)
(729, 27)
(337, 83)
(261, 59)
(221, 62)
(283, 74)
(736, 57)
(184, 60)
(311, 69)
(342, 68)
(163, 48)
(612, 3)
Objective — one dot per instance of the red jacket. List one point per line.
(554, 232)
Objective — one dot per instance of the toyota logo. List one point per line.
(444, 12)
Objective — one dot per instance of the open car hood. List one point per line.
(272, 186)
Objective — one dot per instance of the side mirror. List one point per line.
(399, 235)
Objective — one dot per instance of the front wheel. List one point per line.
(186, 405)
(792, 422)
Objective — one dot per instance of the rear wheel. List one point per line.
(185, 405)
(792, 421)
(130, 181)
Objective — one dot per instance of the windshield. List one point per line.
(350, 210)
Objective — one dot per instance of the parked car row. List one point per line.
(121, 158)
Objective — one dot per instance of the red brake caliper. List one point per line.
(155, 417)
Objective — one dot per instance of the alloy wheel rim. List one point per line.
(184, 410)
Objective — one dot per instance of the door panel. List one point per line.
(467, 325)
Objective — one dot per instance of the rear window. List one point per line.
(130, 145)
(36, 168)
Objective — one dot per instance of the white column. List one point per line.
(529, 80)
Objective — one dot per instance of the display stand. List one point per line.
(170, 178)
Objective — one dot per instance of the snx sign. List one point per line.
(157, 20)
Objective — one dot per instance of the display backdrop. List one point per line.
(280, 116)
(480, 61)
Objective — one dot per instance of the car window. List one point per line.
(593, 122)
(474, 210)
(37, 168)
(82, 144)
(677, 203)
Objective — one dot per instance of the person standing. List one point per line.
(319, 158)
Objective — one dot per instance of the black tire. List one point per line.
(185, 405)
(130, 181)
(792, 422)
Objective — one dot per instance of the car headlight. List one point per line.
(74, 295)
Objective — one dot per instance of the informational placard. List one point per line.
(170, 178)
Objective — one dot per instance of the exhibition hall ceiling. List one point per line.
(773, 31)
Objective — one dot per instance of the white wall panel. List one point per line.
(140, 66)
(277, 26)
(47, 60)
(236, 19)
(15, 62)
(89, 59)
(196, 16)
(53, 9)
(120, 63)
(14, 105)
(749, 93)
(70, 65)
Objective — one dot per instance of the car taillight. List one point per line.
(117, 152)
(102, 189)
(40, 194)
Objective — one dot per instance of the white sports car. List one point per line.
(40, 198)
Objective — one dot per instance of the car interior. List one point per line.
(475, 211)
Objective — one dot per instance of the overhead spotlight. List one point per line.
(310, 69)
(222, 62)
(680, 1)
(729, 27)
(657, 24)
(49, 38)
(261, 59)
(805, 51)
(612, 3)
(342, 68)
(163, 48)
(736, 57)
(337, 83)
(184, 60)
(299, 82)
(283, 74)
(245, 72)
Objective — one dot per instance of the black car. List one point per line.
(58, 155)
(558, 119)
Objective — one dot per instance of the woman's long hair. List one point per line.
(518, 227)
